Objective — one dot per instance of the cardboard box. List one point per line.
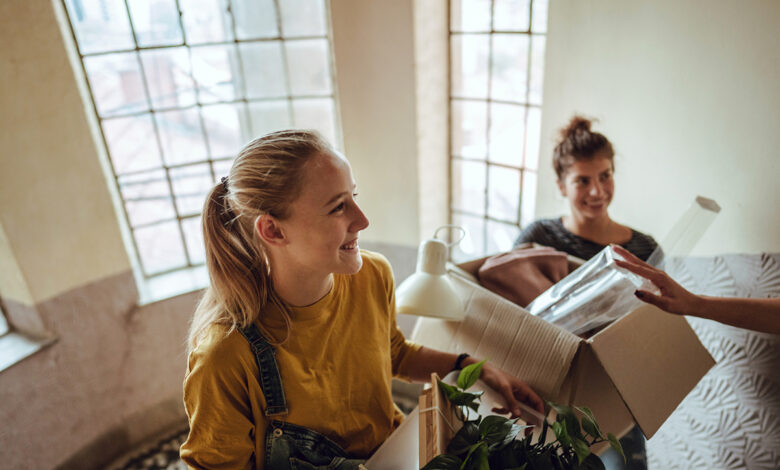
(636, 370)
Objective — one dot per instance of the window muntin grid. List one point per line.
(179, 85)
(496, 71)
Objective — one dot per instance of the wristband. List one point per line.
(459, 361)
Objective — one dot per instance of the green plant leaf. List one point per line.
(561, 433)
(449, 390)
(477, 458)
(467, 436)
(589, 423)
(581, 448)
(615, 443)
(464, 398)
(494, 428)
(469, 375)
(443, 462)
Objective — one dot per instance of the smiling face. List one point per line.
(588, 185)
(321, 230)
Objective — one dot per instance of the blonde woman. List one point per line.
(294, 344)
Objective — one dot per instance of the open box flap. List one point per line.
(654, 359)
(505, 334)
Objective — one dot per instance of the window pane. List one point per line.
(255, 18)
(160, 247)
(470, 59)
(468, 186)
(100, 25)
(537, 69)
(182, 136)
(190, 186)
(221, 168)
(169, 77)
(206, 21)
(469, 129)
(500, 237)
(470, 15)
(264, 73)
(510, 62)
(540, 16)
(528, 203)
(511, 15)
(316, 113)
(303, 18)
(307, 62)
(507, 126)
(533, 135)
(147, 197)
(473, 244)
(132, 143)
(503, 193)
(226, 128)
(193, 236)
(217, 73)
(156, 22)
(116, 82)
(269, 116)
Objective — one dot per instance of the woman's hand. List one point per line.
(673, 299)
(514, 391)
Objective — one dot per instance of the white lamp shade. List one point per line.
(429, 295)
(429, 292)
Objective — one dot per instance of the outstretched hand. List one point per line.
(673, 298)
(516, 393)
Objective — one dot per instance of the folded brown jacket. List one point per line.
(522, 274)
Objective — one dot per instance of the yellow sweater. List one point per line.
(336, 371)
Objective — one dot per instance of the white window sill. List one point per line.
(172, 284)
(15, 346)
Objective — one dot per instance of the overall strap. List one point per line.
(270, 380)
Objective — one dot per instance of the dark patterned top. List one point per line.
(551, 232)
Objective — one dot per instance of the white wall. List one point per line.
(689, 94)
(374, 52)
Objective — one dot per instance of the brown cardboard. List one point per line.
(639, 368)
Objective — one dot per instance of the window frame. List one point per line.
(155, 285)
(522, 168)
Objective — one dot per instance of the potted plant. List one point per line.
(493, 442)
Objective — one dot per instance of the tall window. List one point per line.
(496, 70)
(180, 85)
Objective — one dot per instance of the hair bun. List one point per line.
(577, 123)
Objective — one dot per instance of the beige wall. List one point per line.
(374, 53)
(55, 208)
(688, 93)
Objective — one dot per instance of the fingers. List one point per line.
(626, 254)
(657, 300)
(655, 276)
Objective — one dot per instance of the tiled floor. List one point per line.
(162, 455)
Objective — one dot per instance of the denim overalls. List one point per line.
(288, 446)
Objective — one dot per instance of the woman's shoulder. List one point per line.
(641, 244)
(375, 262)
(220, 345)
(541, 231)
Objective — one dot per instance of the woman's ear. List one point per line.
(269, 230)
(561, 187)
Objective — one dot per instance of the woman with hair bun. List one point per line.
(584, 163)
(294, 344)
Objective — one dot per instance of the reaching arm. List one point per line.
(514, 390)
(753, 314)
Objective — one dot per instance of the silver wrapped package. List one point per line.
(596, 293)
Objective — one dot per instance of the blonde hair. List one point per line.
(264, 179)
